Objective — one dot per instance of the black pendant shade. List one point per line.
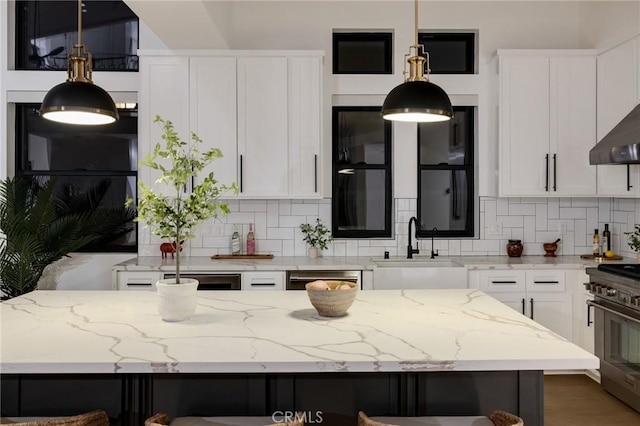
(79, 103)
(78, 100)
(417, 101)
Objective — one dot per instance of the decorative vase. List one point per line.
(177, 302)
(514, 248)
(638, 256)
(314, 252)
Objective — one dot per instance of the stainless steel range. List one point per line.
(616, 303)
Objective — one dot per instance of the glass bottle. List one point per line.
(596, 243)
(235, 242)
(606, 238)
(251, 242)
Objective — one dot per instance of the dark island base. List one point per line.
(331, 399)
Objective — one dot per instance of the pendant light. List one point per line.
(417, 99)
(78, 100)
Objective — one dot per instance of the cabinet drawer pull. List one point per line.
(546, 173)
(263, 284)
(555, 174)
(315, 173)
(503, 282)
(546, 282)
(240, 172)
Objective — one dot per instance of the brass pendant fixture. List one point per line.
(78, 100)
(417, 99)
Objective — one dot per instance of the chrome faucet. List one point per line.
(433, 254)
(410, 250)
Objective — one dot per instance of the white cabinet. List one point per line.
(547, 122)
(584, 332)
(414, 277)
(263, 280)
(262, 109)
(617, 90)
(164, 91)
(262, 126)
(137, 280)
(539, 294)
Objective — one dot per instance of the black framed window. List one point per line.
(362, 198)
(97, 160)
(450, 53)
(362, 53)
(446, 174)
(47, 30)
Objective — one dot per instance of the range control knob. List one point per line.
(590, 287)
(635, 301)
(611, 291)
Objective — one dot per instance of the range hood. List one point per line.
(622, 144)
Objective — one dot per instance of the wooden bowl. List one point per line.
(329, 300)
(550, 249)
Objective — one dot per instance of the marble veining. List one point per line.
(257, 332)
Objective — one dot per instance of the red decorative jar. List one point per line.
(514, 248)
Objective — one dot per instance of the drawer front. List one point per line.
(546, 280)
(502, 281)
(263, 281)
(138, 280)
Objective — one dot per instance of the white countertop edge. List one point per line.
(304, 368)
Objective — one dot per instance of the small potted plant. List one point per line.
(317, 237)
(633, 240)
(176, 216)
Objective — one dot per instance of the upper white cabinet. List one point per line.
(262, 109)
(547, 122)
(617, 95)
(262, 126)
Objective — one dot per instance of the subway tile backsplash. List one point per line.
(532, 220)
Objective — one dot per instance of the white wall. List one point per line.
(605, 24)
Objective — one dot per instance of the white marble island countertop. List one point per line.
(263, 332)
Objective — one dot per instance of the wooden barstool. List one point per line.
(162, 419)
(497, 418)
(92, 418)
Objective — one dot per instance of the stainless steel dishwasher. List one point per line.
(296, 280)
(213, 281)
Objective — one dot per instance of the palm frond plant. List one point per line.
(175, 216)
(38, 228)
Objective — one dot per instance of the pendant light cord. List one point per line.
(80, 22)
(416, 23)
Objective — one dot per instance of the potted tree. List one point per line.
(633, 240)
(176, 216)
(317, 236)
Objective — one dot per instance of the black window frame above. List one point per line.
(22, 36)
(469, 167)
(387, 232)
(467, 37)
(22, 136)
(386, 37)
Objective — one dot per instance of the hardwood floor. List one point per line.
(576, 400)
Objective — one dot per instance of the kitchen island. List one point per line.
(408, 352)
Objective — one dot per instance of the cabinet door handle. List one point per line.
(589, 322)
(523, 306)
(315, 173)
(555, 174)
(629, 186)
(531, 313)
(546, 173)
(240, 172)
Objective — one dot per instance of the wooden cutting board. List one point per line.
(600, 258)
(241, 256)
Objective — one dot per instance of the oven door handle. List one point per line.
(613, 311)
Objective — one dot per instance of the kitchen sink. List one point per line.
(416, 263)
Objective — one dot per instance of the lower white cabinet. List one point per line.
(263, 280)
(541, 295)
(143, 280)
(583, 332)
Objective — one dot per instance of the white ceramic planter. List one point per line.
(177, 302)
(314, 252)
(638, 256)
